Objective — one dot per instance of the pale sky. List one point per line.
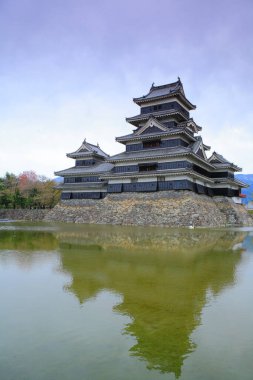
(70, 68)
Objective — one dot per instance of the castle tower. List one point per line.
(164, 152)
(83, 180)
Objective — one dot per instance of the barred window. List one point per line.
(134, 147)
(147, 167)
(151, 144)
(126, 168)
(85, 162)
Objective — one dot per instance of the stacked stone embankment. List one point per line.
(23, 214)
(172, 209)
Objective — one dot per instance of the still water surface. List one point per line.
(101, 302)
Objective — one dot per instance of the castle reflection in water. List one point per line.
(163, 276)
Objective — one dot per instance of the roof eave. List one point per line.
(233, 182)
(84, 154)
(150, 136)
(142, 100)
(135, 121)
(73, 174)
(227, 166)
(161, 173)
(242, 184)
(127, 159)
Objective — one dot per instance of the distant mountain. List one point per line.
(58, 179)
(247, 178)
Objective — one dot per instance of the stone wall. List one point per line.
(168, 208)
(23, 214)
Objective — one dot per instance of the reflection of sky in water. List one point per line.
(248, 243)
(140, 310)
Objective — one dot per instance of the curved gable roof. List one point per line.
(87, 149)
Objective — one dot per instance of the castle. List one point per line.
(164, 152)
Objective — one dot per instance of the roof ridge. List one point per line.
(92, 145)
(165, 85)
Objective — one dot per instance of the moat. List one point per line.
(114, 302)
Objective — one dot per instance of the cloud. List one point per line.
(74, 78)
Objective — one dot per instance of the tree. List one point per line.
(28, 184)
(28, 190)
(48, 196)
(27, 180)
(8, 190)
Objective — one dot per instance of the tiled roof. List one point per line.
(226, 165)
(165, 90)
(77, 170)
(195, 146)
(169, 132)
(219, 161)
(87, 149)
(158, 153)
(220, 158)
(145, 116)
(233, 181)
(98, 150)
(149, 153)
(190, 123)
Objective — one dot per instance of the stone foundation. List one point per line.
(168, 208)
(23, 214)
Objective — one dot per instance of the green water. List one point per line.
(96, 302)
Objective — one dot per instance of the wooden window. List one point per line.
(147, 167)
(157, 108)
(133, 147)
(85, 162)
(151, 144)
(123, 169)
